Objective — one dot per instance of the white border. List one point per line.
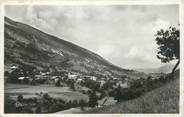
(92, 2)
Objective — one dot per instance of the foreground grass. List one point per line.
(164, 99)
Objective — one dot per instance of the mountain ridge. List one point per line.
(54, 37)
(33, 46)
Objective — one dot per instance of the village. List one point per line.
(50, 77)
(20, 79)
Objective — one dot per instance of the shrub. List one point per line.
(118, 94)
(20, 98)
(102, 95)
(27, 109)
(82, 104)
(74, 103)
(30, 100)
(72, 86)
(68, 104)
(9, 105)
(56, 107)
(6, 73)
(38, 109)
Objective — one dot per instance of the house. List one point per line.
(47, 73)
(79, 80)
(21, 78)
(51, 80)
(93, 78)
(72, 76)
(115, 78)
(55, 79)
(102, 82)
(38, 76)
(14, 67)
(43, 74)
(123, 85)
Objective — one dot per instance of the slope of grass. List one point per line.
(164, 99)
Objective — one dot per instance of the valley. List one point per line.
(46, 74)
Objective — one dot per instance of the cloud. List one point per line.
(122, 34)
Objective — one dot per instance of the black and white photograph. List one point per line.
(91, 59)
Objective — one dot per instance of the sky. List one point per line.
(122, 34)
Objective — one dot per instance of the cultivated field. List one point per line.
(29, 91)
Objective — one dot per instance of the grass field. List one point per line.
(164, 99)
(29, 91)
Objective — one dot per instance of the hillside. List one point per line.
(164, 99)
(30, 46)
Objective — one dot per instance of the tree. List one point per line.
(14, 75)
(72, 85)
(20, 98)
(58, 83)
(118, 94)
(169, 49)
(82, 104)
(93, 99)
(38, 109)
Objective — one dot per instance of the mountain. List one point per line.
(27, 45)
(163, 69)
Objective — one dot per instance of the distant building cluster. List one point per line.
(52, 77)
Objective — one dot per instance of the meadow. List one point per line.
(164, 99)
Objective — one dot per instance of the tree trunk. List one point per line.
(173, 70)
